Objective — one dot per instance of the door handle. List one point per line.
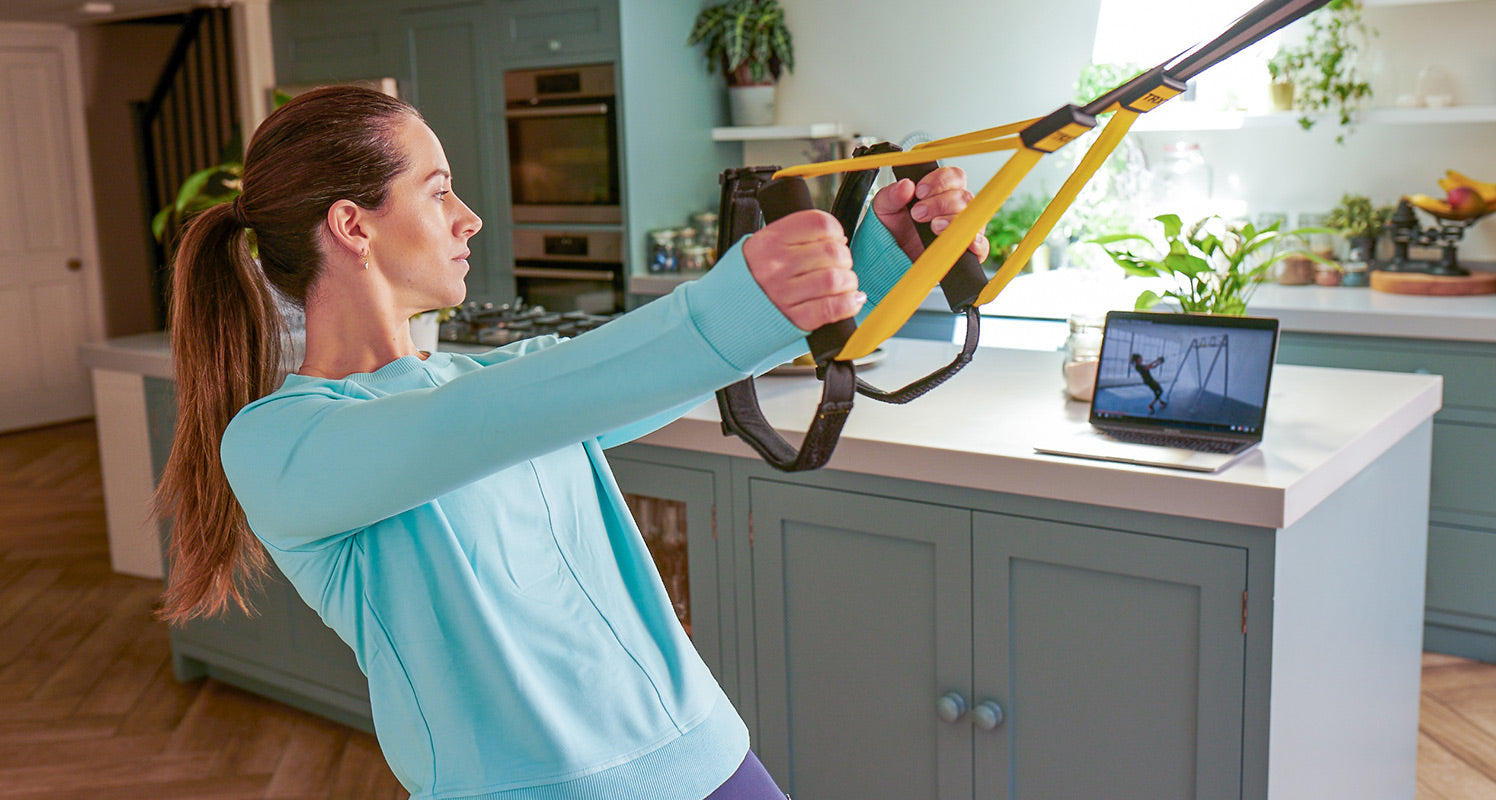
(987, 715)
(75, 265)
(951, 707)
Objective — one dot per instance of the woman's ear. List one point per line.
(345, 224)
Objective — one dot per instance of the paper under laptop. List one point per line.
(1197, 382)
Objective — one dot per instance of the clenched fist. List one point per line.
(804, 265)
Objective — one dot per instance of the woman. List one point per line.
(452, 517)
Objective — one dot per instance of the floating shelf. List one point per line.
(749, 133)
(1188, 119)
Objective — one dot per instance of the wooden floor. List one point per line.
(89, 708)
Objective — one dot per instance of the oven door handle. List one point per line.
(594, 109)
(564, 274)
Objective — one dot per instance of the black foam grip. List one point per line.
(779, 198)
(966, 278)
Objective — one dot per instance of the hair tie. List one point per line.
(239, 212)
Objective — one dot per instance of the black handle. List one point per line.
(966, 279)
(780, 198)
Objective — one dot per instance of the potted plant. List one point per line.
(1362, 224)
(1215, 266)
(1324, 68)
(749, 42)
(1280, 68)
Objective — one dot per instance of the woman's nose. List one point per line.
(468, 223)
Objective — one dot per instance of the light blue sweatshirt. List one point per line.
(454, 520)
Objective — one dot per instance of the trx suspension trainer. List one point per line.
(754, 196)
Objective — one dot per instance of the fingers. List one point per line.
(804, 266)
(938, 198)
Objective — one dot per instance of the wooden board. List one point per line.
(1421, 283)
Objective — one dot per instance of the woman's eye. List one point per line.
(442, 195)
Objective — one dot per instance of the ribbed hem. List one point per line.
(734, 316)
(877, 259)
(688, 768)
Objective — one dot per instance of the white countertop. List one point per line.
(1358, 311)
(979, 430)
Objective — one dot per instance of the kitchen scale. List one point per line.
(1438, 276)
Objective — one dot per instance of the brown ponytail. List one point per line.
(227, 332)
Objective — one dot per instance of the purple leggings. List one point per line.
(750, 782)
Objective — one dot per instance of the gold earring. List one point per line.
(365, 256)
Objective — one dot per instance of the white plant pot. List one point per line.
(751, 105)
(424, 330)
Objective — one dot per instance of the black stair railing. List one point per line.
(190, 122)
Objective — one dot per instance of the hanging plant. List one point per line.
(1325, 67)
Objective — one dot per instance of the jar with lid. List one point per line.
(694, 258)
(662, 250)
(1082, 354)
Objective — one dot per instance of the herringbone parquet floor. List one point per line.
(89, 709)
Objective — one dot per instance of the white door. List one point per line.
(49, 302)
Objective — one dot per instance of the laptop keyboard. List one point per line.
(1176, 440)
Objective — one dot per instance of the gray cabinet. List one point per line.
(1460, 614)
(541, 32)
(675, 502)
(862, 621)
(284, 651)
(1054, 602)
(913, 649)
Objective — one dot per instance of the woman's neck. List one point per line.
(347, 338)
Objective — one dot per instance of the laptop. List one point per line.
(1184, 391)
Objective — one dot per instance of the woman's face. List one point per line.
(418, 239)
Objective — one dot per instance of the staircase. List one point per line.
(190, 122)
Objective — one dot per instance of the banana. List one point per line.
(1487, 191)
(1437, 207)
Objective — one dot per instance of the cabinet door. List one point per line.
(1116, 657)
(448, 82)
(542, 32)
(862, 610)
(675, 509)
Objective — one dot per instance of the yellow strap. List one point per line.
(902, 158)
(980, 136)
(903, 300)
(1110, 137)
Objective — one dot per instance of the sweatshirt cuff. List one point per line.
(731, 311)
(877, 259)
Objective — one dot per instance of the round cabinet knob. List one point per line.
(554, 45)
(950, 707)
(987, 715)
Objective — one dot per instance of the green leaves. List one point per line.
(202, 189)
(1214, 266)
(747, 39)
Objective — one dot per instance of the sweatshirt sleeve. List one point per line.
(321, 458)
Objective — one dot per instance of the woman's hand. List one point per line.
(803, 263)
(941, 196)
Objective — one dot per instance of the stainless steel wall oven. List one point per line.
(563, 144)
(570, 270)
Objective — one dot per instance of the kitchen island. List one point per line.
(943, 613)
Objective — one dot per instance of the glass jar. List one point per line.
(662, 250)
(694, 258)
(1082, 354)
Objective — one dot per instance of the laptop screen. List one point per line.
(1192, 372)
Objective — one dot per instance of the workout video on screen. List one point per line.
(1186, 374)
